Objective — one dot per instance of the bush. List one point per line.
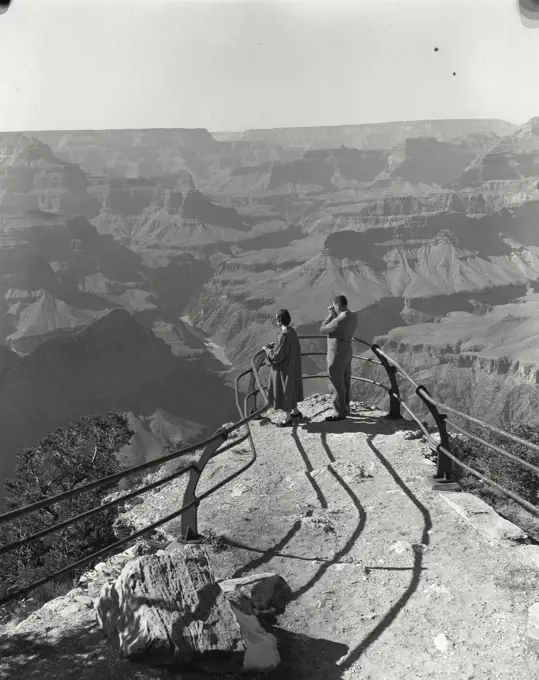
(509, 474)
(70, 457)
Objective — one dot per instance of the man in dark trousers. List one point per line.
(339, 326)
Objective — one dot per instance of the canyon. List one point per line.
(135, 264)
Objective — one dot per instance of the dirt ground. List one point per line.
(388, 581)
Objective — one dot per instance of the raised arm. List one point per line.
(330, 324)
(281, 350)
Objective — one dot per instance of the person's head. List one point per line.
(283, 317)
(340, 303)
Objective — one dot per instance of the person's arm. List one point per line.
(331, 324)
(279, 353)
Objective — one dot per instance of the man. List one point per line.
(285, 388)
(339, 326)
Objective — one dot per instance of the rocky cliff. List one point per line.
(33, 178)
(366, 550)
(166, 212)
(514, 157)
(485, 360)
(377, 135)
(58, 273)
(114, 364)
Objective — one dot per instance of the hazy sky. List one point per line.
(228, 65)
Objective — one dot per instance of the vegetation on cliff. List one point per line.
(66, 458)
(506, 472)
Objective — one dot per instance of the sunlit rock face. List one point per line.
(515, 157)
(33, 178)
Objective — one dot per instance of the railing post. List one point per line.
(442, 480)
(189, 519)
(253, 386)
(394, 395)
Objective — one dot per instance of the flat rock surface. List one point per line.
(389, 582)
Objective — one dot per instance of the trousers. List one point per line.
(340, 374)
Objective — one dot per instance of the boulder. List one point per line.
(167, 608)
(265, 591)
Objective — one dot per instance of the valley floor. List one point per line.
(388, 581)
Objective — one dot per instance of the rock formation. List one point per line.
(33, 178)
(167, 608)
(514, 157)
(114, 364)
(378, 135)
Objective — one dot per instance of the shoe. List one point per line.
(297, 416)
(287, 423)
(333, 419)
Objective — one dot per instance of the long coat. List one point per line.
(285, 388)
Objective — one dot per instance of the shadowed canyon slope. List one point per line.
(114, 364)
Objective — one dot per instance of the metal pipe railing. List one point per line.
(212, 447)
(194, 501)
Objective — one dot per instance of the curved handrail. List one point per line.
(221, 434)
(214, 448)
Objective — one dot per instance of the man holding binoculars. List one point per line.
(339, 326)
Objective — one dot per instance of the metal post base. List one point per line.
(441, 484)
(191, 539)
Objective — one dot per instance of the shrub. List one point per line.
(506, 472)
(66, 458)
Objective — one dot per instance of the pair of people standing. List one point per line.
(285, 389)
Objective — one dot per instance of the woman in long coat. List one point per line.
(285, 388)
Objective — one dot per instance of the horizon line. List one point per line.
(284, 127)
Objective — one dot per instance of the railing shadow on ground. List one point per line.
(309, 469)
(214, 446)
(417, 568)
(356, 533)
(267, 554)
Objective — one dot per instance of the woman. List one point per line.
(285, 388)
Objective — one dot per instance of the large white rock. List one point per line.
(482, 517)
(262, 653)
(168, 608)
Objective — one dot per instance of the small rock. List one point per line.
(71, 609)
(401, 547)
(84, 600)
(264, 591)
(419, 548)
(533, 621)
(441, 642)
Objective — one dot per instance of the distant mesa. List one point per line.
(377, 135)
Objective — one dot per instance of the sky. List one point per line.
(227, 65)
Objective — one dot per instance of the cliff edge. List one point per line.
(390, 580)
